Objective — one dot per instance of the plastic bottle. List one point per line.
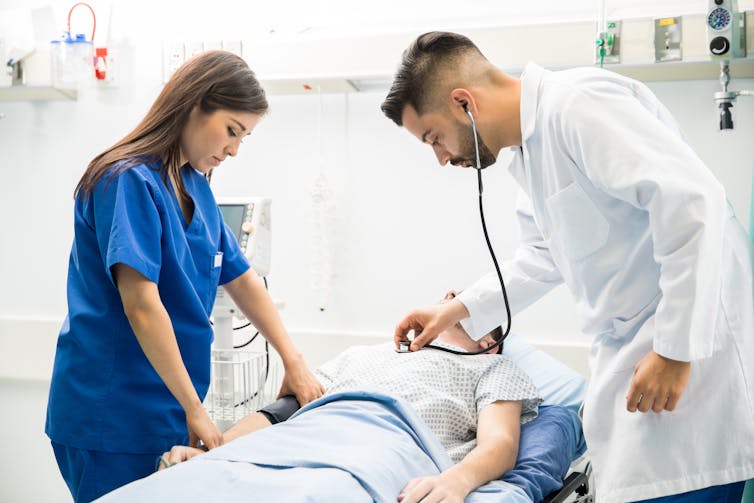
(72, 60)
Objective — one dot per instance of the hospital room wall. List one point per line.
(403, 230)
(406, 229)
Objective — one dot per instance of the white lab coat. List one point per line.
(620, 208)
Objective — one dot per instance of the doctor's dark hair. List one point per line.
(425, 65)
(213, 80)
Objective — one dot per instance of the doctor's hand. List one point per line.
(201, 427)
(301, 382)
(428, 322)
(657, 384)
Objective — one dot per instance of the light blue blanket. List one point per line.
(351, 446)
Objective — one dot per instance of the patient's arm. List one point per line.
(248, 424)
(278, 411)
(498, 430)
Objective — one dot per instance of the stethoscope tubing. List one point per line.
(478, 167)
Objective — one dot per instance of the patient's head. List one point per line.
(457, 336)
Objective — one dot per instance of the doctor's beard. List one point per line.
(467, 158)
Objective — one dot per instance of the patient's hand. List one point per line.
(178, 454)
(441, 487)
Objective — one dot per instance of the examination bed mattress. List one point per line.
(353, 446)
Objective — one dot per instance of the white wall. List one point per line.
(405, 229)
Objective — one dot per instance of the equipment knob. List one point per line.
(247, 227)
(719, 46)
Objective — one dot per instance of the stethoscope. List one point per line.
(478, 166)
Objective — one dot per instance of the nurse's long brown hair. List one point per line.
(214, 80)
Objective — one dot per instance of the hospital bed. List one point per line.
(575, 488)
(326, 452)
(559, 385)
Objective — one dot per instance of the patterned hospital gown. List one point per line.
(446, 390)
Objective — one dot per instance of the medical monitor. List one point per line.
(250, 220)
(233, 215)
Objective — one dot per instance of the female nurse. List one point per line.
(150, 248)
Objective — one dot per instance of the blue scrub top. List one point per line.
(104, 394)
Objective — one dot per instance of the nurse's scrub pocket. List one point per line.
(216, 267)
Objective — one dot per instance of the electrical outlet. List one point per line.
(173, 57)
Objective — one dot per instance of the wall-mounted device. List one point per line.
(607, 47)
(668, 38)
(723, 29)
(726, 32)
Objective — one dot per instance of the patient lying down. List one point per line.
(473, 404)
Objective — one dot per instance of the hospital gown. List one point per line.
(446, 390)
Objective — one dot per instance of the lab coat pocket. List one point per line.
(578, 227)
(637, 347)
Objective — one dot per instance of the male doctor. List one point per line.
(616, 205)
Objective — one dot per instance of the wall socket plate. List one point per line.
(668, 37)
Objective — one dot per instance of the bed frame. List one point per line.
(575, 488)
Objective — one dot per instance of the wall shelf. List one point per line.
(37, 93)
(684, 70)
(367, 63)
(644, 72)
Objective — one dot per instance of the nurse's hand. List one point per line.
(301, 382)
(657, 384)
(178, 454)
(201, 427)
(428, 322)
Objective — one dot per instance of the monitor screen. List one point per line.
(233, 216)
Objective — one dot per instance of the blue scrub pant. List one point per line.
(728, 493)
(91, 474)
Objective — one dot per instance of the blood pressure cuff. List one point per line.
(281, 409)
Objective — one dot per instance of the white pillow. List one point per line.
(558, 383)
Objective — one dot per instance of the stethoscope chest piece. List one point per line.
(404, 347)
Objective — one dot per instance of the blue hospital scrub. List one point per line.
(105, 396)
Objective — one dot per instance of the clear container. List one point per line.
(72, 61)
